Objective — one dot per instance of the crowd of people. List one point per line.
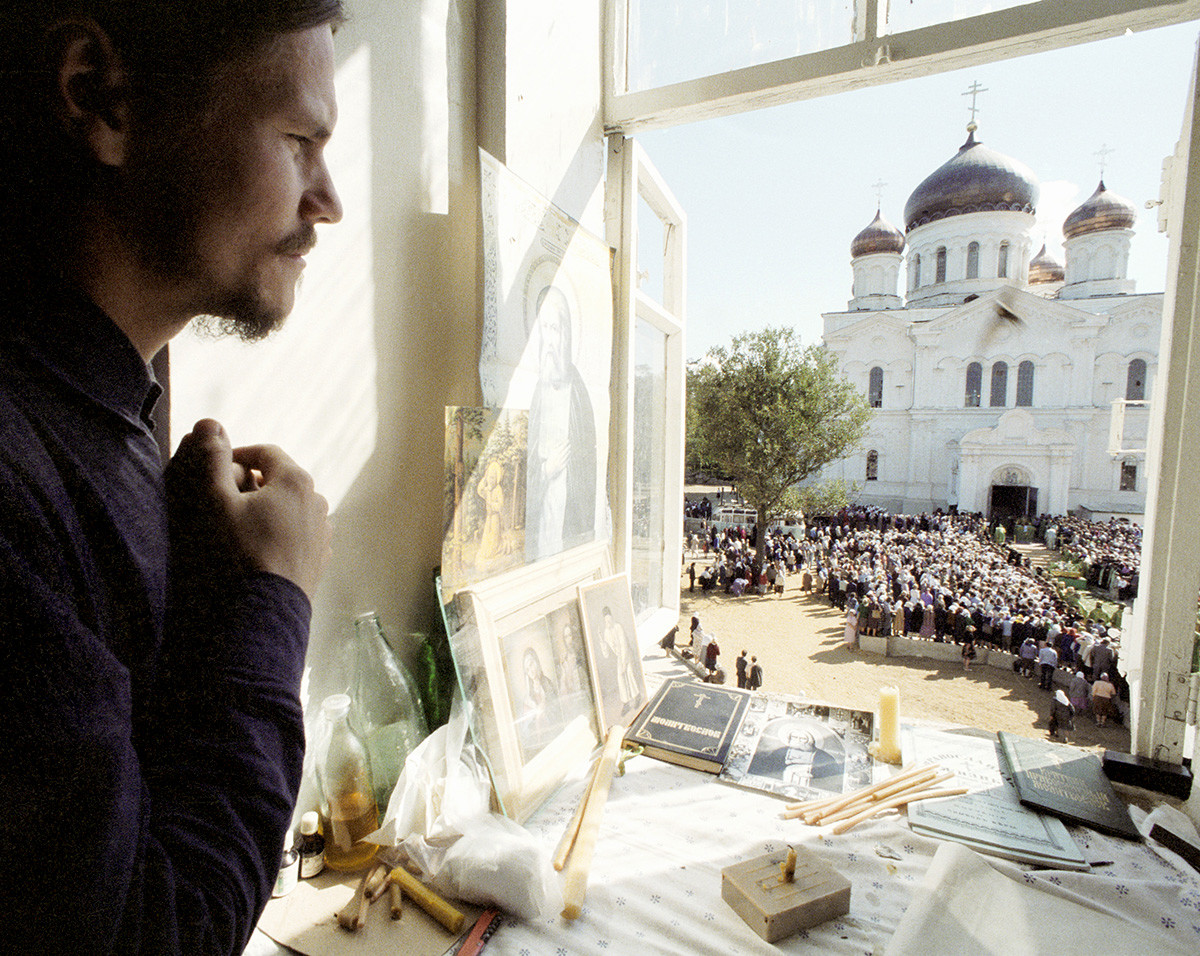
(1110, 552)
(943, 577)
(729, 554)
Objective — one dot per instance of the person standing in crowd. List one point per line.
(158, 162)
(1077, 692)
(740, 665)
(1104, 694)
(1061, 714)
(850, 632)
(754, 681)
(1102, 658)
(968, 649)
(711, 653)
(1047, 661)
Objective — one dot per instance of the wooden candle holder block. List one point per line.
(776, 908)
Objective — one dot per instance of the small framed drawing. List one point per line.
(519, 652)
(616, 663)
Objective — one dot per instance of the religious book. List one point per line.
(988, 818)
(689, 723)
(1068, 783)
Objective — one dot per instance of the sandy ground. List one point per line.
(798, 641)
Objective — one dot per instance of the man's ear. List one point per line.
(91, 95)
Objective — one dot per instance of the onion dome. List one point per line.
(976, 179)
(879, 236)
(1104, 210)
(1044, 268)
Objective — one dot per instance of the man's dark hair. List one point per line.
(173, 52)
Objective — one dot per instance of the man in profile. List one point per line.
(560, 499)
(160, 160)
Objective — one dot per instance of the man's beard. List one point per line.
(242, 311)
(159, 204)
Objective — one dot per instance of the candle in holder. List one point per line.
(888, 747)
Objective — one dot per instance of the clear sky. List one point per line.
(774, 197)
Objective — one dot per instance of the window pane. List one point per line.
(1128, 476)
(910, 16)
(872, 466)
(973, 261)
(999, 384)
(875, 389)
(1002, 261)
(1135, 382)
(675, 40)
(649, 493)
(974, 384)
(1025, 384)
(941, 265)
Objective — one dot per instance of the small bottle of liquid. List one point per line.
(312, 846)
(348, 809)
(289, 868)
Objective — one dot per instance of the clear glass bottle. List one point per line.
(348, 808)
(387, 705)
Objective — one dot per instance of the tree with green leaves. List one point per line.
(768, 413)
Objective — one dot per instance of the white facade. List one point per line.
(992, 394)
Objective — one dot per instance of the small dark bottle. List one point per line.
(312, 846)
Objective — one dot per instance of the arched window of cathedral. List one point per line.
(974, 384)
(999, 385)
(915, 277)
(941, 264)
(1135, 382)
(1002, 262)
(1129, 476)
(1025, 384)
(872, 465)
(973, 261)
(875, 388)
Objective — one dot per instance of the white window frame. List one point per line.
(1165, 615)
(631, 177)
(872, 58)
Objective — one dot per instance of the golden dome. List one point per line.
(1043, 268)
(1104, 210)
(879, 236)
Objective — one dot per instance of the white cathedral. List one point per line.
(1002, 382)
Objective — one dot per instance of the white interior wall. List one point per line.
(386, 330)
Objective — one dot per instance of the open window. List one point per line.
(783, 61)
(647, 227)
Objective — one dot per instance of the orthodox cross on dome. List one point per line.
(878, 187)
(1102, 155)
(973, 91)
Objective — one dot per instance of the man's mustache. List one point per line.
(299, 243)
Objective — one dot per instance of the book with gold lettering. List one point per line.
(1066, 782)
(689, 723)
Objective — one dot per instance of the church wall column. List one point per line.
(972, 495)
(1055, 502)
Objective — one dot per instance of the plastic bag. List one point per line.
(438, 817)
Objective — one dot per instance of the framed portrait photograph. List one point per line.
(519, 652)
(615, 661)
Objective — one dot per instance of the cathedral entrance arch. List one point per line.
(1012, 494)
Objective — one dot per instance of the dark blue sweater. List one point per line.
(150, 751)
